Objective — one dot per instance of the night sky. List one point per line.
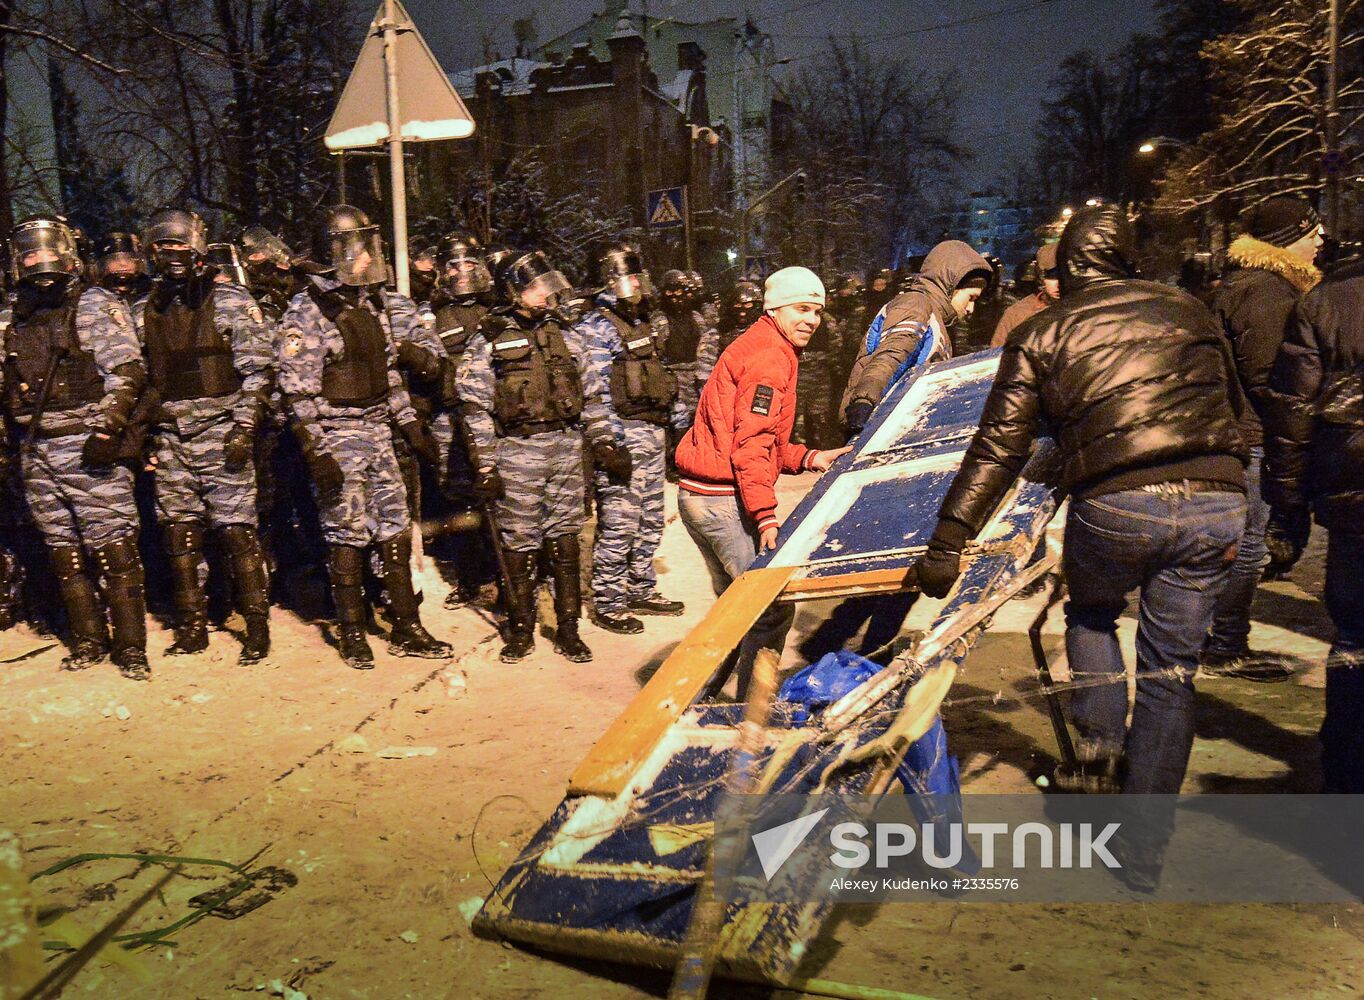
(1003, 62)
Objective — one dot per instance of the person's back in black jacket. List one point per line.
(1132, 377)
(1314, 410)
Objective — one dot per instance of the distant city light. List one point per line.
(1147, 147)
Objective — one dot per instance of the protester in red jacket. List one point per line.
(740, 442)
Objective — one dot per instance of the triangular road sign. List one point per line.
(428, 104)
(665, 212)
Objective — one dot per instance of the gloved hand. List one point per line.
(937, 569)
(612, 459)
(1285, 538)
(419, 439)
(237, 448)
(327, 477)
(857, 415)
(100, 449)
(488, 485)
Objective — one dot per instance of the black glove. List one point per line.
(1285, 538)
(327, 477)
(938, 568)
(613, 460)
(419, 439)
(237, 448)
(101, 448)
(488, 485)
(857, 415)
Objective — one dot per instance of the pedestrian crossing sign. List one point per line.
(667, 208)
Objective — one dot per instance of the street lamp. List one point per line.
(1156, 141)
(1067, 212)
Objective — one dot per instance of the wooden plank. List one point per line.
(607, 768)
(875, 581)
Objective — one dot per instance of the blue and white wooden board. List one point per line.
(612, 874)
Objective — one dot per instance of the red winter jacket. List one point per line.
(741, 438)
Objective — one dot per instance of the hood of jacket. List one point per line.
(1097, 245)
(947, 265)
(1247, 251)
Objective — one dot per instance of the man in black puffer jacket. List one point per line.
(1138, 387)
(1314, 464)
(1270, 267)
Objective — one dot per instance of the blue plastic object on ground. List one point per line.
(928, 772)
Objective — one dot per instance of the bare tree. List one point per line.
(875, 135)
(1268, 134)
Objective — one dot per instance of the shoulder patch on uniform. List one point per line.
(254, 312)
(293, 343)
(762, 400)
(117, 313)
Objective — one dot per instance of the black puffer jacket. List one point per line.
(1253, 305)
(1314, 410)
(1132, 377)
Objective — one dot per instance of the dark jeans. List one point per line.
(1230, 630)
(1342, 730)
(1176, 549)
(729, 545)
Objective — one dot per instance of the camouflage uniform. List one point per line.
(345, 401)
(81, 509)
(538, 455)
(815, 384)
(209, 351)
(421, 363)
(629, 515)
(691, 346)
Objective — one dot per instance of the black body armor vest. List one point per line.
(359, 377)
(30, 346)
(641, 387)
(188, 357)
(538, 387)
(684, 338)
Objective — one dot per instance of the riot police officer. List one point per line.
(459, 304)
(527, 390)
(338, 371)
(422, 275)
(690, 346)
(73, 374)
(269, 265)
(739, 310)
(226, 261)
(209, 360)
(121, 268)
(625, 349)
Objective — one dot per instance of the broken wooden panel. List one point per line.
(612, 874)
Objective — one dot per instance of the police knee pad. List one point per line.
(346, 565)
(67, 562)
(239, 539)
(120, 560)
(183, 538)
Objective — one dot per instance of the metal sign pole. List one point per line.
(686, 223)
(396, 172)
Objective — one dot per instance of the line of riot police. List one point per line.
(276, 414)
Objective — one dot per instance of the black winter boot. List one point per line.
(252, 583)
(89, 635)
(568, 598)
(408, 638)
(185, 550)
(121, 565)
(346, 566)
(520, 606)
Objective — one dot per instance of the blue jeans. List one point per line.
(1176, 549)
(729, 545)
(1231, 618)
(1342, 730)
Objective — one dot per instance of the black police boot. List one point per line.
(656, 605)
(9, 604)
(408, 637)
(620, 624)
(568, 598)
(520, 598)
(185, 550)
(346, 566)
(121, 565)
(252, 582)
(89, 635)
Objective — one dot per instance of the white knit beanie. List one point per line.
(791, 285)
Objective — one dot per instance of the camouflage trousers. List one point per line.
(456, 473)
(629, 523)
(543, 476)
(194, 484)
(75, 504)
(688, 394)
(373, 503)
(814, 397)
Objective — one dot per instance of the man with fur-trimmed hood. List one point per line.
(1270, 268)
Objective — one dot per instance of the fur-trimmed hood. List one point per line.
(1247, 251)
